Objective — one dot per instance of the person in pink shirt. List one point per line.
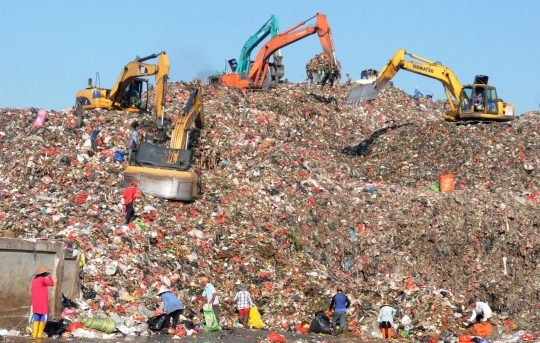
(40, 299)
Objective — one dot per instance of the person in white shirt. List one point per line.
(481, 312)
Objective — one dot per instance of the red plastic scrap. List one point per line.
(275, 337)
(81, 197)
(237, 259)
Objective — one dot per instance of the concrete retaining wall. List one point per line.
(19, 260)
(71, 283)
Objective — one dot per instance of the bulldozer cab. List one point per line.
(479, 98)
(136, 95)
(369, 74)
(233, 64)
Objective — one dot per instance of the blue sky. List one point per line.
(50, 48)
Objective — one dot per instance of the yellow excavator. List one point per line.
(165, 172)
(128, 91)
(478, 101)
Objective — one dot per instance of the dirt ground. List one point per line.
(222, 336)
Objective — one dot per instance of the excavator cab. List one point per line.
(369, 74)
(481, 101)
(479, 98)
(135, 98)
(233, 64)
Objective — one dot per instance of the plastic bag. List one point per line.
(40, 119)
(119, 156)
(210, 321)
(465, 339)
(105, 325)
(447, 183)
(157, 323)
(56, 328)
(483, 329)
(255, 318)
(320, 324)
(275, 337)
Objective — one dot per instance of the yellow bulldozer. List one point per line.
(477, 101)
(130, 92)
(166, 172)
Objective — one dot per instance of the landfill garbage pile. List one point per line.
(302, 194)
(319, 66)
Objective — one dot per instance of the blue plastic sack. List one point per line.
(119, 156)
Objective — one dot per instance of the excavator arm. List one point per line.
(164, 172)
(270, 27)
(459, 97)
(137, 69)
(258, 70)
(193, 115)
(451, 84)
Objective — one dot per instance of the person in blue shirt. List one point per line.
(96, 135)
(416, 96)
(340, 303)
(173, 309)
(386, 320)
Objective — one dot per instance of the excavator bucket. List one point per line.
(361, 94)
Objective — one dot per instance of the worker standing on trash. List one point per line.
(481, 312)
(132, 144)
(209, 294)
(129, 197)
(173, 308)
(339, 304)
(40, 299)
(349, 80)
(243, 303)
(95, 139)
(416, 96)
(386, 320)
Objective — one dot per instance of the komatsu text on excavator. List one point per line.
(477, 101)
(129, 90)
(257, 78)
(166, 172)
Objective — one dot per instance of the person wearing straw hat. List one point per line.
(40, 299)
(243, 303)
(173, 308)
(386, 319)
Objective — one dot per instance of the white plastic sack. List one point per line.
(110, 269)
(196, 233)
(405, 320)
(90, 269)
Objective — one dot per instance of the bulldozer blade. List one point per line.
(165, 183)
(362, 93)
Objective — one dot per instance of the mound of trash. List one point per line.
(301, 194)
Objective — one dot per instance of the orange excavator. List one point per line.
(257, 75)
